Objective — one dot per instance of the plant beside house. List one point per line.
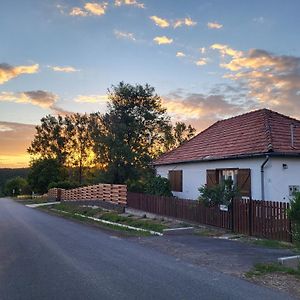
(220, 194)
(294, 215)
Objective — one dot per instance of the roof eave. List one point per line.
(237, 156)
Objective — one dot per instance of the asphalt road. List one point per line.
(48, 257)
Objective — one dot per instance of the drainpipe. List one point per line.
(262, 178)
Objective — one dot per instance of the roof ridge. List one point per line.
(268, 129)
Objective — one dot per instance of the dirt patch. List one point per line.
(283, 282)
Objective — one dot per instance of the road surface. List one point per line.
(48, 257)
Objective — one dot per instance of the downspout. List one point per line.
(262, 172)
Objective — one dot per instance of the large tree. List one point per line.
(80, 143)
(133, 129)
(177, 134)
(43, 172)
(50, 140)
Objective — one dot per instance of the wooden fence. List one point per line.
(115, 193)
(264, 219)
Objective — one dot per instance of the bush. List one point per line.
(219, 194)
(16, 186)
(157, 185)
(294, 215)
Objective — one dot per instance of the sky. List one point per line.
(208, 60)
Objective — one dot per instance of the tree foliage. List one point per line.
(133, 131)
(16, 186)
(178, 134)
(43, 172)
(119, 144)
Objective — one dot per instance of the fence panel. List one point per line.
(264, 219)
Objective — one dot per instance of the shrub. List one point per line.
(16, 186)
(294, 215)
(219, 194)
(157, 185)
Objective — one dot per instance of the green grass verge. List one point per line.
(111, 216)
(265, 268)
(125, 230)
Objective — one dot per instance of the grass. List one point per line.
(274, 244)
(110, 216)
(266, 268)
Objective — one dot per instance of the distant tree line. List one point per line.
(117, 146)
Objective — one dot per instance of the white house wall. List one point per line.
(277, 179)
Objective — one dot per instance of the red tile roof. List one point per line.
(258, 132)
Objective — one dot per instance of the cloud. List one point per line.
(201, 62)
(91, 98)
(40, 98)
(214, 25)
(97, 9)
(78, 12)
(89, 9)
(199, 109)
(8, 72)
(66, 69)
(163, 23)
(185, 21)
(226, 50)
(271, 80)
(160, 40)
(15, 138)
(180, 54)
(124, 35)
(129, 2)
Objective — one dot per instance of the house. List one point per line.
(259, 151)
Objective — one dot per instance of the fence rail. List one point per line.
(264, 219)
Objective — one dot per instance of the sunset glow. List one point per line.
(208, 60)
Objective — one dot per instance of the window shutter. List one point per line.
(178, 180)
(244, 182)
(175, 178)
(211, 178)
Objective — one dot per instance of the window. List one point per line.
(240, 177)
(175, 178)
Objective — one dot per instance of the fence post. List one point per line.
(250, 216)
(232, 214)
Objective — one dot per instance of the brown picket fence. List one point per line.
(265, 219)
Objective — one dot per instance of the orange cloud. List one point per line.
(89, 9)
(40, 98)
(163, 23)
(8, 72)
(271, 80)
(97, 9)
(186, 21)
(160, 40)
(226, 50)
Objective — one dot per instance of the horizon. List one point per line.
(62, 56)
